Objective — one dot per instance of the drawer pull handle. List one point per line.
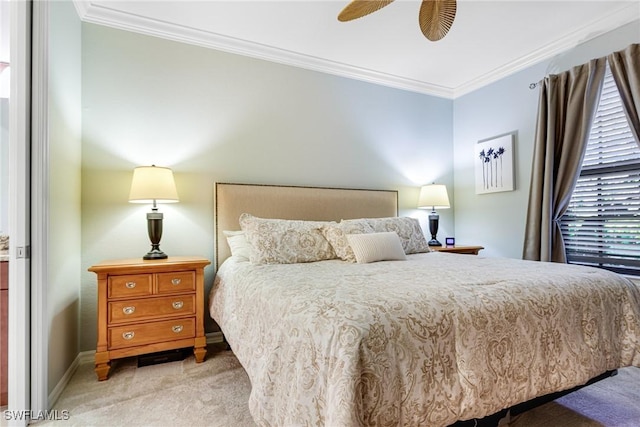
(128, 310)
(176, 281)
(177, 329)
(128, 335)
(131, 285)
(178, 305)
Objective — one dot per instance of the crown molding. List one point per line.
(588, 32)
(103, 15)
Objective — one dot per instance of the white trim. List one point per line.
(87, 356)
(103, 15)
(62, 384)
(19, 147)
(81, 7)
(214, 337)
(40, 207)
(589, 31)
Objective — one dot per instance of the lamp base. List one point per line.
(433, 228)
(154, 226)
(155, 254)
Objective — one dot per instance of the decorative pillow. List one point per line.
(372, 247)
(408, 229)
(280, 241)
(336, 234)
(238, 244)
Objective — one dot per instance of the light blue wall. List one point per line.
(214, 116)
(497, 220)
(63, 196)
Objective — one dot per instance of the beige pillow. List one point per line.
(372, 247)
(279, 241)
(408, 229)
(336, 234)
(238, 244)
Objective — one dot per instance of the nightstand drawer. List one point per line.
(127, 286)
(143, 309)
(170, 283)
(149, 333)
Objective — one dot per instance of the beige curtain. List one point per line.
(566, 108)
(625, 67)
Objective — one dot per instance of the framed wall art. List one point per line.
(494, 164)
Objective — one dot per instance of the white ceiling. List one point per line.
(488, 40)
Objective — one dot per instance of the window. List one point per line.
(601, 227)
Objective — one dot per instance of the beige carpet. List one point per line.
(215, 393)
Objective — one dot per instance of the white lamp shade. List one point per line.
(153, 183)
(433, 196)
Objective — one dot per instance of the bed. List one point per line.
(428, 339)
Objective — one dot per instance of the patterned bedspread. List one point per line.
(427, 341)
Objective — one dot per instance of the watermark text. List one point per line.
(26, 415)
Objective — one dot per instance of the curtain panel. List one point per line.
(625, 67)
(567, 105)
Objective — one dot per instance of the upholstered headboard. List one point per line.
(291, 202)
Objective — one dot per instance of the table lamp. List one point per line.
(153, 184)
(433, 196)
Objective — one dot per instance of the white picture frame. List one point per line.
(493, 159)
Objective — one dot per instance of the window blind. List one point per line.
(601, 227)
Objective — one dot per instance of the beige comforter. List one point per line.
(427, 341)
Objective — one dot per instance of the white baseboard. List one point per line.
(82, 357)
(214, 337)
(88, 357)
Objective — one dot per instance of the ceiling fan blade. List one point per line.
(360, 8)
(436, 18)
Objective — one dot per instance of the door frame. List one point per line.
(39, 203)
(28, 215)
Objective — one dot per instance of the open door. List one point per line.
(19, 388)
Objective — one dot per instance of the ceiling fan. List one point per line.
(435, 17)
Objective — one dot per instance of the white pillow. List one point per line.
(238, 244)
(371, 247)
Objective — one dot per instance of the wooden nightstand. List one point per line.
(146, 306)
(470, 250)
